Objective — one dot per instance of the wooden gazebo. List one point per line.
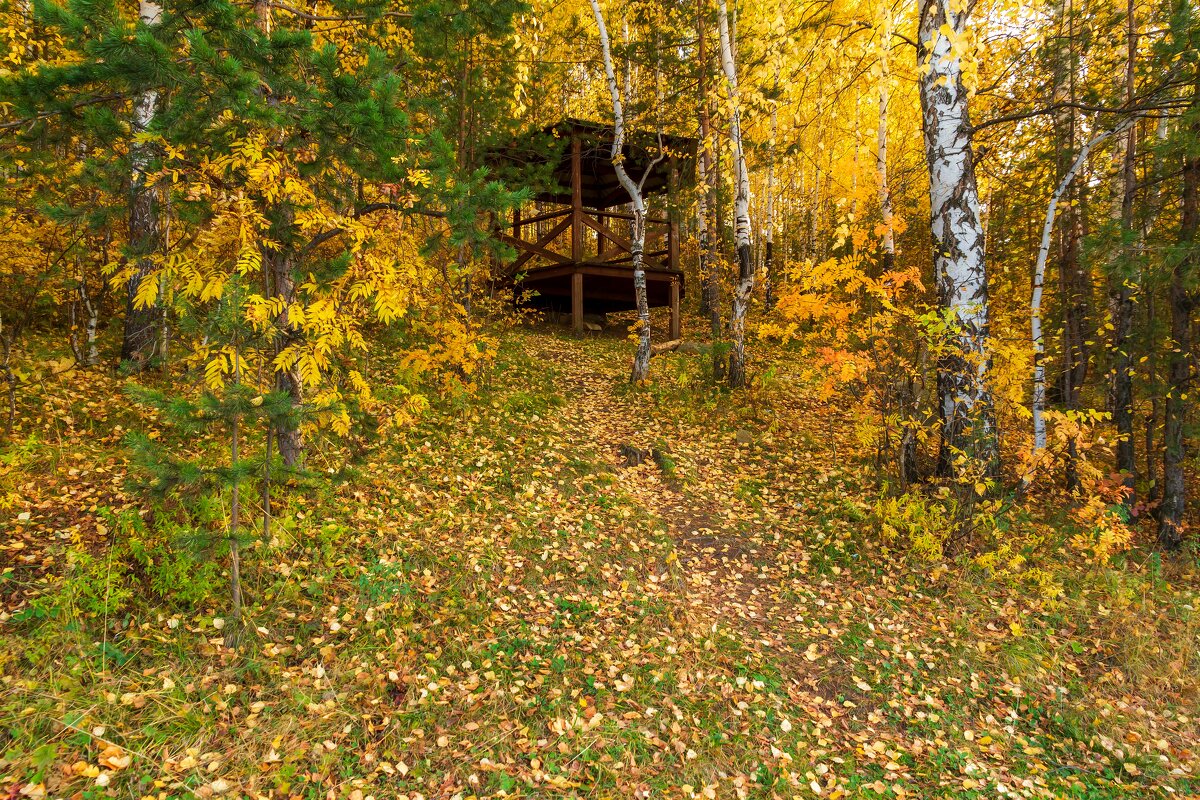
(572, 242)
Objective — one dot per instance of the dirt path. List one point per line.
(729, 566)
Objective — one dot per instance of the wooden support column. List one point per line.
(672, 221)
(576, 198)
(577, 301)
(673, 244)
(601, 241)
(516, 232)
(675, 326)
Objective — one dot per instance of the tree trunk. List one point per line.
(741, 215)
(641, 360)
(713, 271)
(1152, 485)
(92, 357)
(711, 268)
(637, 233)
(1074, 283)
(288, 434)
(1153, 201)
(815, 251)
(1121, 284)
(968, 414)
(1039, 277)
(235, 558)
(881, 170)
(707, 230)
(769, 228)
(140, 338)
(703, 240)
(278, 263)
(1183, 301)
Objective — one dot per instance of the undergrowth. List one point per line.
(490, 604)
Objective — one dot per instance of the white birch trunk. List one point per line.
(93, 319)
(141, 324)
(741, 206)
(885, 194)
(146, 103)
(769, 228)
(637, 233)
(1039, 276)
(968, 416)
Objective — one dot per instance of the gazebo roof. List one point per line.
(599, 185)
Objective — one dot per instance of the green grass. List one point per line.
(489, 603)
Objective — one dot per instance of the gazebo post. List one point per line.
(672, 222)
(577, 300)
(675, 327)
(576, 198)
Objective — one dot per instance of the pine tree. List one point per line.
(230, 405)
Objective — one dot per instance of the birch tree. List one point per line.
(966, 406)
(881, 149)
(769, 227)
(279, 278)
(707, 231)
(90, 357)
(741, 208)
(637, 235)
(142, 320)
(1039, 279)
(1074, 281)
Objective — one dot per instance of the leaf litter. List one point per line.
(495, 605)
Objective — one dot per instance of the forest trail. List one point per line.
(767, 516)
(741, 539)
(493, 603)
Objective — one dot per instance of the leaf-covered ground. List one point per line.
(496, 605)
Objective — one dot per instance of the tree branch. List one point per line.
(91, 101)
(370, 208)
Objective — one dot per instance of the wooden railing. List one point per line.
(567, 235)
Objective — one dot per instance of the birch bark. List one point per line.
(279, 264)
(93, 320)
(637, 233)
(769, 228)
(1039, 278)
(141, 328)
(881, 150)
(741, 206)
(967, 411)
(1074, 281)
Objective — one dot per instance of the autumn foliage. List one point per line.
(301, 496)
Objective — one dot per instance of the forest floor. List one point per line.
(497, 605)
